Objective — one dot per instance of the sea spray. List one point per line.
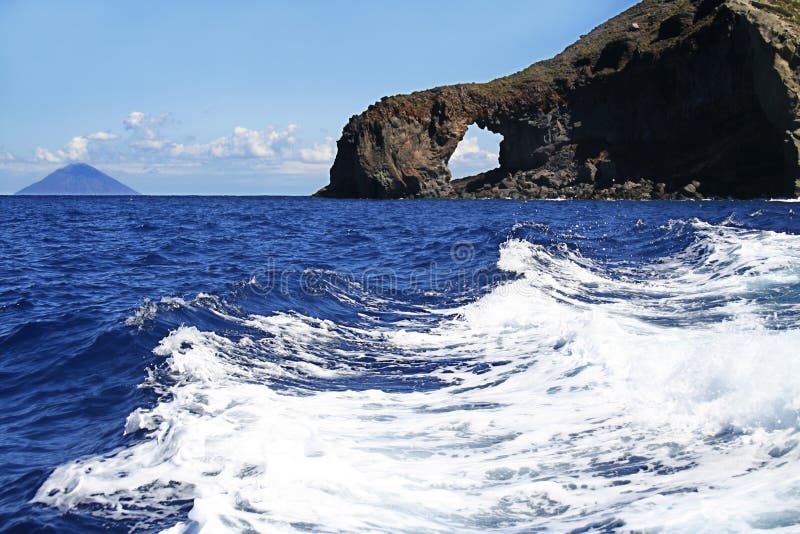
(578, 394)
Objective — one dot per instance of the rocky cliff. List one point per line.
(670, 99)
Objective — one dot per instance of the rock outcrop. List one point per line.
(670, 99)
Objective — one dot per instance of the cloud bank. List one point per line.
(469, 152)
(77, 149)
(147, 143)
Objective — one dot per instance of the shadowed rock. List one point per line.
(668, 94)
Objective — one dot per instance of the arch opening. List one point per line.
(476, 153)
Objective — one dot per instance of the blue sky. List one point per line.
(244, 97)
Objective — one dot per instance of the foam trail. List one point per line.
(664, 396)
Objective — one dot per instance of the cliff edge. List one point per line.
(670, 99)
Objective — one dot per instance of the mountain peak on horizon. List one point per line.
(78, 165)
(77, 179)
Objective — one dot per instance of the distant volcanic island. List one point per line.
(77, 179)
(670, 99)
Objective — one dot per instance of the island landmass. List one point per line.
(670, 99)
(77, 179)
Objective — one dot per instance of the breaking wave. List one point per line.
(573, 395)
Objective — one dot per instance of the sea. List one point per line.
(287, 364)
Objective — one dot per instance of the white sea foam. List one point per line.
(664, 398)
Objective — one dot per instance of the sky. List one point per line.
(245, 98)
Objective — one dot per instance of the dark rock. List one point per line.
(542, 154)
(587, 172)
(607, 173)
(615, 54)
(692, 190)
(674, 26)
(706, 89)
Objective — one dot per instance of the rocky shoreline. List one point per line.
(672, 99)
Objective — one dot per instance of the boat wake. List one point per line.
(577, 395)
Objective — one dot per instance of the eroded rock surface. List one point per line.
(670, 99)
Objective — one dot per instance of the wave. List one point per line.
(579, 395)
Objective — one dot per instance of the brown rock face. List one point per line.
(669, 94)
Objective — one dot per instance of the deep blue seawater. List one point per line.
(291, 364)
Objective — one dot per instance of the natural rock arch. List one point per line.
(668, 100)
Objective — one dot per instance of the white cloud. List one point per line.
(138, 119)
(77, 149)
(148, 148)
(144, 128)
(468, 150)
(152, 143)
(321, 152)
(41, 154)
(242, 143)
(102, 136)
(134, 119)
